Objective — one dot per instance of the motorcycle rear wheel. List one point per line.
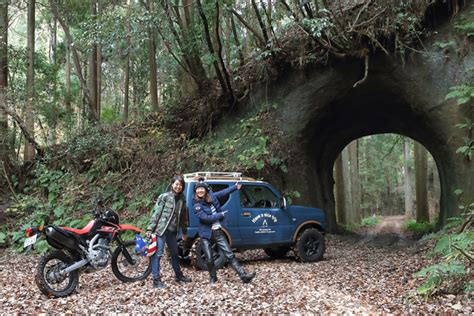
(50, 281)
(125, 271)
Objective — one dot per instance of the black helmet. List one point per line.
(201, 184)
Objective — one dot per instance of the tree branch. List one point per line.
(465, 254)
(259, 37)
(210, 46)
(24, 129)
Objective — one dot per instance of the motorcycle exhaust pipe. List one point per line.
(75, 266)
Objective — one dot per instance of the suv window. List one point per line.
(217, 187)
(256, 196)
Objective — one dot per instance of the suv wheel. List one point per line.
(199, 259)
(310, 245)
(277, 253)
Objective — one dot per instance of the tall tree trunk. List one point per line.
(227, 41)
(89, 101)
(152, 62)
(193, 78)
(421, 179)
(29, 151)
(346, 177)
(407, 172)
(67, 85)
(99, 67)
(53, 59)
(126, 71)
(4, 143)
(94, 115)
(355, 182)
(53, 42)
(340, 193)
(237, 42)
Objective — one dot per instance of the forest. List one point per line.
(108, 98)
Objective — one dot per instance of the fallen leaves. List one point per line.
(354, 277)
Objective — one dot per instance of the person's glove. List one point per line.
(223, 215)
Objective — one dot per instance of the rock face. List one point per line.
(322, 112)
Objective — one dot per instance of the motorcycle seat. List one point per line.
(82, 231)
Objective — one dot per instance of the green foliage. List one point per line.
(419, 228)
(444, 44)
(436, 274)
(462, 93)
(247, 151)
(465, 24)
(319, 26)
(371, 221)
(110, 116)
(3, 238)
(291, 195)
(456, 250)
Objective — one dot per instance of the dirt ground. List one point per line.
(370, 273)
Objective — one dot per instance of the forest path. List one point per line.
(353, 277)
(389, 224)
(390, 232)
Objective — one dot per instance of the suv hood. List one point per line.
(305, 212)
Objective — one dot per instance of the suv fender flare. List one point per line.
(227, 235)
(306, 224)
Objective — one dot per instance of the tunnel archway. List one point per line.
(379, 106)
(319, 112)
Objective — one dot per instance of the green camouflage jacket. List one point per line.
(163, 210)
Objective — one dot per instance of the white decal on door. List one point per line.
(264, 229)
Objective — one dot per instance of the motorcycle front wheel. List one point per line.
(128, 265)
(49, 278)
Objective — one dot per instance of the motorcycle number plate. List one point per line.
(30, 241)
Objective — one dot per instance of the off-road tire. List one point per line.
(42, 283)
(310, 245)
(130, 245)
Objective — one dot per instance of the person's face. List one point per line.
(200, 192)
(177, 187)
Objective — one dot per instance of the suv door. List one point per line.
(261, 220)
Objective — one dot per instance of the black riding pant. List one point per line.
(221, 243)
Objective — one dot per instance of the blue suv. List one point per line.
(258, 217)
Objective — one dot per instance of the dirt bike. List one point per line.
(86, 250)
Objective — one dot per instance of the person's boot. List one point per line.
(244, 276)
(212, 272)
(182, 278)
(157, 284)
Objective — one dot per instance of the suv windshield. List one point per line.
(256, 196)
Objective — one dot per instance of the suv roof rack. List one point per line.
(208, 175)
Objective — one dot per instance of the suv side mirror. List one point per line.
(283, 202)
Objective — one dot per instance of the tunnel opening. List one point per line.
(379, 106)
(385, 175)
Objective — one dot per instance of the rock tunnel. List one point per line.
(321, 112)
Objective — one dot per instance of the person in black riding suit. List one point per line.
(208, 209)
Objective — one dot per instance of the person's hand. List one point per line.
(238, 185)
(148, 234)
(223, 214)
(184, 237)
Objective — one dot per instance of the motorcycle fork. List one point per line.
(124, 250)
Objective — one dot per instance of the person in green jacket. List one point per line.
(169, 214)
